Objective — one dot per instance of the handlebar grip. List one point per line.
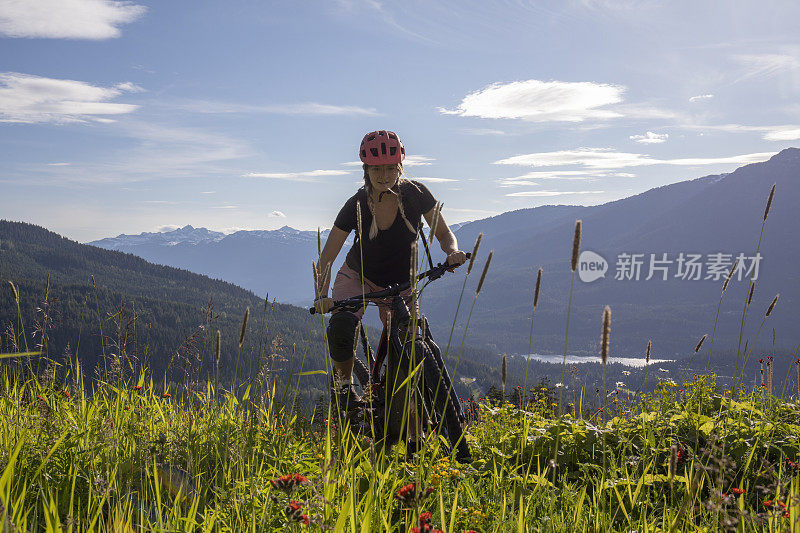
(312, 310)
(468, 254)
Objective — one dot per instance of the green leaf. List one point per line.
(21, 354)
(312, 372)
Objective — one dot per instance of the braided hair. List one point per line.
(373, 229)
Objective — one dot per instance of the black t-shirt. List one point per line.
(387, 257)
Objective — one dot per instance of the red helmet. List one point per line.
(381, 148)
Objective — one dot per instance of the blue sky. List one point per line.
(123, 117)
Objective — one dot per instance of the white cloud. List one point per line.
(66, 19)
(409, 161)
(650, 138)
(58, 164)
(783, 135)
(208, 192)
(701, 97)
(483, 131)
(569, 175)
(167, 227)
(765, 65)
(307, 108)
(32, 99)
(550, 193)
(417, 160)
(433, 180)
(311, 175)
(605, 158)
(786, 132)
(156, 152)
(541, 101)
(277, 214)
(224, 207)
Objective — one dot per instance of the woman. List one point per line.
(391, 208)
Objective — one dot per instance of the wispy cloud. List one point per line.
(783, 135)
(650, 138)
(167, 228)
(33, 99)
(537, 194)
(700, 97)
(606, 158)
(154, 151)
(541, 101)
(560, 175)
(417, 160)
(58, 164)
(483, 131)
(309, 176)
(410, 161)
(305, 108)
(224, 207)
(786, 132)
(761, 66)
(66, 19)
(277, 214)
(433, 180)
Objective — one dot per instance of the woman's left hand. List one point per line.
(456, 258)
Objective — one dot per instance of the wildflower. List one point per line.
(620, 385)
(294, 511)
(768, 504)
(41, 398)
(66, 393)
(408, 493)
(663, 370)
(737, 491)
(166, 395)
(288, 482)
(137, 387)
(626, 373)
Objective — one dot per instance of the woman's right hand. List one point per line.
(323, 305)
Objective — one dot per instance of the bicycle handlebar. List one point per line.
(361, 300)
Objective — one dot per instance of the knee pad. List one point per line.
(342, 335)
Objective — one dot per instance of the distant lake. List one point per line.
(637, 362)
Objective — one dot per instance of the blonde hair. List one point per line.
(373, 228)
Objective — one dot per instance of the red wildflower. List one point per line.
(288, 482)
(166, 395)
(66, 393)
(737, 491)
(408, 493)
(786, 514)
(294, 512)
(41, 398)
(424, 518)
(137, 387)
(768, 504)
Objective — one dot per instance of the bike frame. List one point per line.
(399, 322)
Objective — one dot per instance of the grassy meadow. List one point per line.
(117, 449)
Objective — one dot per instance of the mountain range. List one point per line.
(717, 214)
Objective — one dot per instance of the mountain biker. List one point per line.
(391, 209)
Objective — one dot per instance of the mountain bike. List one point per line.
(413, 373)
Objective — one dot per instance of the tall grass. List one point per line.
(124, 455)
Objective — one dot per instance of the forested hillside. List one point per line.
(100, 302)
